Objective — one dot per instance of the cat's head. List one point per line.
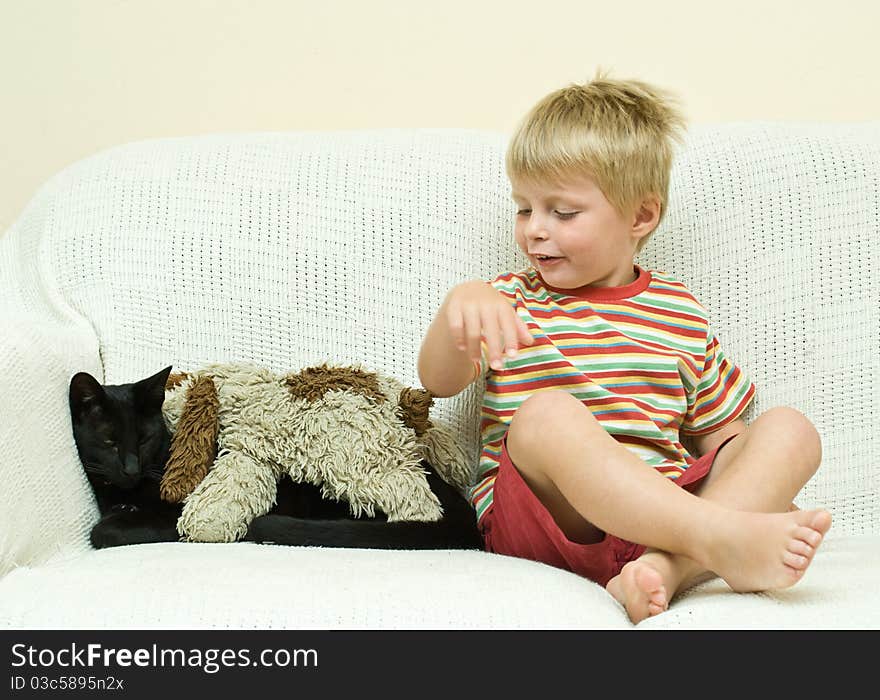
(119, 430)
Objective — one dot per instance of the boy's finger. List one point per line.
(455, 320)
(472, 331)
(525, 334)
(508, 325)
(492, 335)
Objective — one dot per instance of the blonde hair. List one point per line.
(618, 133)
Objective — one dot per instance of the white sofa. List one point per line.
(288, 249)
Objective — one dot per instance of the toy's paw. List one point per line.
(237, 490)
(205, 521)
(205, 529)
(426, 510)
(401, 495)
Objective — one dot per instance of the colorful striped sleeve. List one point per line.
(722, 393)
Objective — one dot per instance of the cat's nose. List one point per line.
(130, 466)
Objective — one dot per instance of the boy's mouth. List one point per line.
(546, 260)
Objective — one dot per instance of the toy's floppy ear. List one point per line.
(413, 406)
(194, 445)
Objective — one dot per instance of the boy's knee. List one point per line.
(538, 413)
(542, 409)
(791, 423)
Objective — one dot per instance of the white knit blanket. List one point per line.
(287, 249)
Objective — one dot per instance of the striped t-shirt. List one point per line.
(642, 357)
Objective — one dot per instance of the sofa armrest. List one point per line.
(46, 504)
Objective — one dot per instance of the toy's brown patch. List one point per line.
(175, 379)
(313, 382)
(194, 445)
(412, 408)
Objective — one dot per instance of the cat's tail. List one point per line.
(367, 534)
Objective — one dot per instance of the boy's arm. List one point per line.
(444, 369)
(451, 352)
(708, 442)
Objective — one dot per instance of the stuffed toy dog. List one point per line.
(357, 435)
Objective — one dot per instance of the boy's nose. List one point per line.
(536, 230)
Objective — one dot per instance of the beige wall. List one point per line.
(78, 76)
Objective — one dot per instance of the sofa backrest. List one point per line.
(289, 249)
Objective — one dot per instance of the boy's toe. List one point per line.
(821, 521)
(808, 536)
(795, 561)
(800, 547)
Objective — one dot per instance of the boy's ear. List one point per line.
(647, 215)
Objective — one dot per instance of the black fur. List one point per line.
(123, 445)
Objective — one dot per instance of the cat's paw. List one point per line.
(108, 533)
(134, 527)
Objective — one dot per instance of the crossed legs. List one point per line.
(737, 524)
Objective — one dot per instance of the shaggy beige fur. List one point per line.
(359, 436)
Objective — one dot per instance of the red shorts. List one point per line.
(519, 525)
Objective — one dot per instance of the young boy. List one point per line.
(607, 366)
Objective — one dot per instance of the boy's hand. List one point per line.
(475, 310)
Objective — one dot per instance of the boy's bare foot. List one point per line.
(639, 587)
(765, 551)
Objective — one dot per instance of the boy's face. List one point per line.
(588, 242)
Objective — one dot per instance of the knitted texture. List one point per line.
(249, 586)
(774, 228)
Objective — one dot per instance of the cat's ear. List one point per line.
(151, 391)
(86, 394)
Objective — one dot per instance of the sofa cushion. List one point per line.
(249, 586)
(212, 586)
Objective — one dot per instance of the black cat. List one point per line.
(123, 444)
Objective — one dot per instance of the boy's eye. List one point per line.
(566, 214)
(523, 212)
